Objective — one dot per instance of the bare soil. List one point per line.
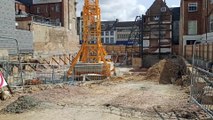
(168, 71)
(123, 98)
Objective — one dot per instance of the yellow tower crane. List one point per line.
(91, 51)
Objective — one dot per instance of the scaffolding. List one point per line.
(135, 37)
(157, 32)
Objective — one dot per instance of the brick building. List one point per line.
(20, 7)
(53, 10)
(157, 28)
(196, 21)
(59, 12)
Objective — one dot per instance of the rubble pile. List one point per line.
(21, 105)
(168, 71)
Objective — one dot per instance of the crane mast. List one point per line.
(92, 51)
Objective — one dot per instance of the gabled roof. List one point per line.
(156, 4)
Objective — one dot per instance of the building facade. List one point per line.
(157, 28)
(112, 32)
(108, 32)
(59, 12)
(196, 22)
(123, 32)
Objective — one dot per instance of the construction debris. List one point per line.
(33, 82)
(168, 71)
(21, 105)
(4, 95)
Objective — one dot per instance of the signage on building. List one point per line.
(45, 1)
(2, 81)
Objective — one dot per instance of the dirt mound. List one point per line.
(167, 71)
(21, 105)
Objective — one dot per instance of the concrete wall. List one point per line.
(25, 40)
(7, 19)
(53, 40)
(8, 29)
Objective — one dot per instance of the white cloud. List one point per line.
(175, 6)
(123, 10)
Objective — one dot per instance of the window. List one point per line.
(118, 36)
(211, 1)
(111, 40)
(52, 8)
(38, 10)
(192, 7)
(102, 33)
(163, 9)
(46, 9)
(107, 41)
(57, 8)
(156, 18)
(211, 23)
(192, 27)
(112, 33)
(190, 42)
(106, 33)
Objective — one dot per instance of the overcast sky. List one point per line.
(124, 9)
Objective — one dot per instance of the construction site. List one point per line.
(49, 75)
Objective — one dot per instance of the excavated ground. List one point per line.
(123, 98)
(138, 95)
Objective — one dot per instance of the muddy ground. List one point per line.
(123, 98)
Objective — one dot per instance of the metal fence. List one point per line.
(20, 74)
(201, 85)
(44, 20)
(202, 89)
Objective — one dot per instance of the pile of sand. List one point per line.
(167, 71)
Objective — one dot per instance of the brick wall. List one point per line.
(20, 6)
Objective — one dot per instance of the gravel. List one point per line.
(21, 105)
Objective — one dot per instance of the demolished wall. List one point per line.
(53, 40)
